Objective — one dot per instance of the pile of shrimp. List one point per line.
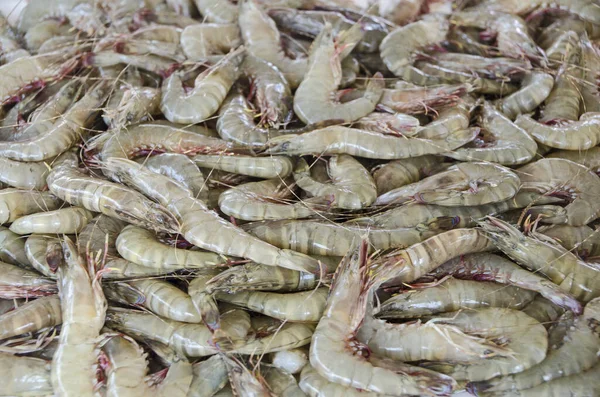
(300, 198)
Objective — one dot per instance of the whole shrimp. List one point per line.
(568, 180)
(277, 336)
(535, 88)
(210, 89)
(449, 120)
(577, 135)
(83, 310)
(16, 203)
(503, 141)
(334, 341)
(463, 184)
(452, 295)
(313, 98)
(572, 355)
(362, 143)
(562, 267)
(393, 124)
(398, 173)
(258, 167)
(315, 385)
(69, 220)
(32, 316)
(351, 187)
(412, 99)
(209, 40)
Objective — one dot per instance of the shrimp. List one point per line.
(266, 199)
(564, 178)
(187, 340)
(273, 94)
(12, 248)
(99, 236)
(520, 333)
(57, 136)
(148, 62)
(244, 381)
(25, 376)
(291, 361)
(544, 311)
(217, 11)
(562, 267)
(351, 187)
(278, 337)
(209, 40)
(336, 354)
(362, 143)
(398, 173)
(255, 277)
(415, 100)
(582, 240)
(453, 295)
(535, 88)
(491, 267)
(498, 68)
(584, 9)
(204, 302)
(463, 184)
(83, 312)
(136, 105)
(305, 306)
(23, 175)
(263, 40)
(111, 199)
(11, 49)
(589, 158)
(142, 247)
(409, 264)
(280, 382)
(210, 89)
(330, 239)
(590, 63)
(313, 98)
(127, 368)
(44, 254)
(576, 135)
(503, 142)
(315, 385)
(258, 167)
(512, 34)
(392, 124)
(69, 220)
(210, 376)
(398, 49)
(195, 218)
(31, 317)
(16, 203)
(43, 31)
(575, 353)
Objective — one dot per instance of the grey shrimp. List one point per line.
(209, 40)
(258, 167)
(68, 220)
(535, 88)
(16, 203)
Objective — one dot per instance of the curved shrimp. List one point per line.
(336, 354)
(398, 173)
(69, 220)
(134, 105)
(99, 236)
(562, 267)
(16, 203)
(362, 143)
(180, 168)
(463, 184)
(44, 254)
(449, 120)
(209, 40)
(210, 89)
(535, 88)
(313, 98)
(577, 135)
(258, 167)
(277, 337)
(351, 187)
(12, 248)
(315, 385)
(504, 142)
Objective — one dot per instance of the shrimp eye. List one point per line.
(285, 145)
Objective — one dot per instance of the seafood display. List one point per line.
(286, 198)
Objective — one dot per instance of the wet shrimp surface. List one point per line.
(300, 198)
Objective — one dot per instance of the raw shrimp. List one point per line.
(210, 376)
(280, 382)
(313, 98)
(257, 201)
(498, 68)
(151, 63)
(543, 311)
(255, 277)
(109, 198)
(217, 11)
(398, 173)
(565, 179)
(351, 187)
(314, 385)
(415, 100)
(210, 89)
(127, 367)
(32, 316)
(15, 203)
(188, 340)
(563, 49)
(56, 136)
(142, 247)
(11, 49)
(577, 135)
(535, 88)
(330, 239)
(83, 311)
(43, 31)
(29, 175)
(449, 120)
(362, 143)
(575, 353)
(419, 259)
(453, 295)
(69, 220)
(503, 142)
(209, 40)
(491, 267)
(263, 40)
(99, 236)
(44, 253)
(463, 184)
(305, 306)
(180, 168)
(392, 124)
(25, 376)
(136, 105)
(336, 354)
(523, 336)
(589, 158)
(205, 303)
(584, 9)
(398, 49)
(258, 167)
(12, 248)
(273, 94)
(243, 381)
(563, 102)
(581, 240)
(562, 267)
(283, 336)
(590, 63)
